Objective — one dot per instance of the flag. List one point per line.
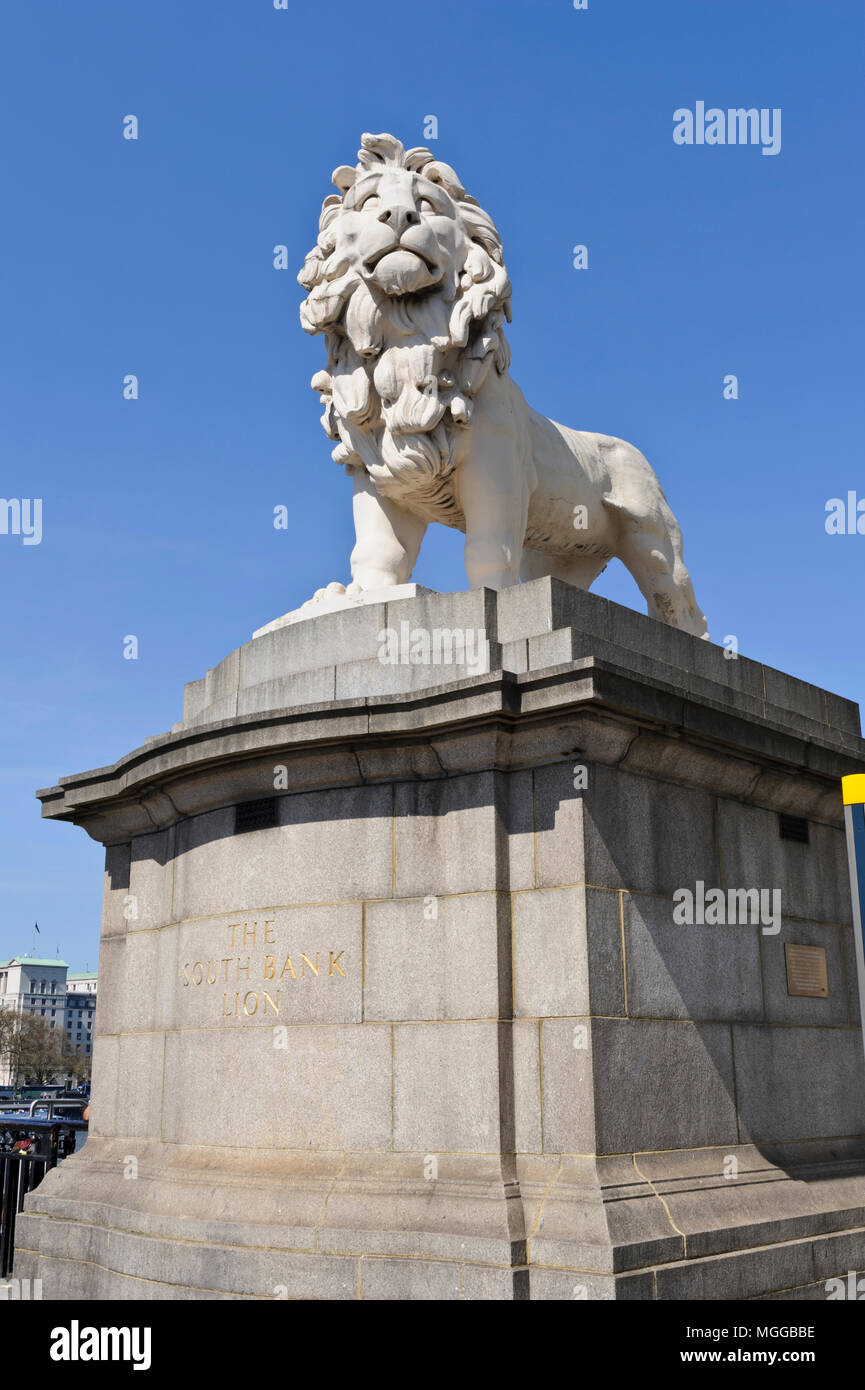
(36, 925)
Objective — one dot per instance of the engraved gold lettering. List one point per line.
(256, 1002)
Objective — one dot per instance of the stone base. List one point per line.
(337, 602)
(201, 1224)
(431, 1030)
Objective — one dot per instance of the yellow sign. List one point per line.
(853, 789)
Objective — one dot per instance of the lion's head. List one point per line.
(407, 282)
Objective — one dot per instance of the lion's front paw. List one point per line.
(332, 590)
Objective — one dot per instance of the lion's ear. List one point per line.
(381, 149)
(482, 229)
(439, 172)
(344, 177)
(417, 158)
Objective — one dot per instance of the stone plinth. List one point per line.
(432, 1030)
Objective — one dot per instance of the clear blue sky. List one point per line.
(155, 257)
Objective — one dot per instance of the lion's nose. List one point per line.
(398, 218)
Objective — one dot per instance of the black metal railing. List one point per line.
(28, 1148)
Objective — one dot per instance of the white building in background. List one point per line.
(80, 1008)
(83, 983)
(31, 985)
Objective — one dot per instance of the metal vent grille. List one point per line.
(794, 828)
(255, 815)
(806, 971)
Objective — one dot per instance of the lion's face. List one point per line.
(407, 282)
(400, 232)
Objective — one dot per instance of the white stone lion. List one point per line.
(408, 284)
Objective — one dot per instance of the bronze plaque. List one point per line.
(806, 970)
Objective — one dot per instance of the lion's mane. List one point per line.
(402, 371)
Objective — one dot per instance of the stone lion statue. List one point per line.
(407, 282)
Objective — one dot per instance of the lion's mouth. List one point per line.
(372, 262)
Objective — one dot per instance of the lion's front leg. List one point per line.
(494, 496)
(388, 539)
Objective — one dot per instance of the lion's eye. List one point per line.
(372, 201)
(426, 205)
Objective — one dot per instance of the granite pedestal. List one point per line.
(392, 998)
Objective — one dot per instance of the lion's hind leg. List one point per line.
(649, 541)
(651, 548)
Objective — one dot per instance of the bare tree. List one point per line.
(8, 1041)
(41, 1049)
(77, 1063)
(36, 1052)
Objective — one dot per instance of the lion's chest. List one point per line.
(430, 499)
